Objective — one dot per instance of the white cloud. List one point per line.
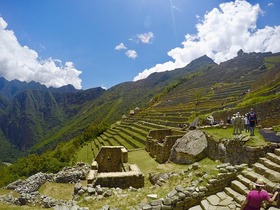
(270, 4)
(131, 54)
(146, 38)
(22, 63)
(220, 34)
(121, 46)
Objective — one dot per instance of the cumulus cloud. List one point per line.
(146, 38)
(121, 46)
(22, 63)
(131, 54)
(220, 34)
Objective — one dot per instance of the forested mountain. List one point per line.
(30, 112)
(34, 118)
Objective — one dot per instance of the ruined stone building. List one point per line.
(110, 168)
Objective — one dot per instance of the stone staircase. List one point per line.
(266, 168)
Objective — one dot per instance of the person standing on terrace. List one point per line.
(253, 121)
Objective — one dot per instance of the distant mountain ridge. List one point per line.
(13, 87)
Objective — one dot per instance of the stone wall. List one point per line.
(186, 197)
(268, 113)
(110, 169)
(159, 143)
(235, 151)
(132, 178)
(111, 159)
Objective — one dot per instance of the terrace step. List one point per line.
(273, 157)
(133, 140)
(128, 132)
(267, 172)
(253, 176)
(124, 142)
(239, 198)
(134, 129)
(269, 164)
(277, 152)
(239, 187)
(245, 181)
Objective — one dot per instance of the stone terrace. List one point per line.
(267, 168)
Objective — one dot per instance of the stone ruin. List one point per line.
(193, 145)
(160, 142)
(176, 146)
(110, 168)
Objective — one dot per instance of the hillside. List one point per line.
(219, 90)
(31, 112)
(35, 118)
(171, 99)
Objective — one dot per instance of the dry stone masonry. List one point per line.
(110, 169)
(159, 143)
(28, 189)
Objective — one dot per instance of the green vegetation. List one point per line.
(271, 61)
(220, 133)
(276, 128)
(50, 161)
(4, 206)
(59, 191)
(76, 126)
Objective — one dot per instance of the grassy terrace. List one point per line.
(134, 129)
(131, 133)
(128, 133)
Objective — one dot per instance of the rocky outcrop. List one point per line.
(190, 148)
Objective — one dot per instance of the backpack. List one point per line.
(252, 116)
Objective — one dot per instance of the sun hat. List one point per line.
(259, 183)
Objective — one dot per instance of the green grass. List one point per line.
(59, 191)
(256, 100)
(220, 133)
(271, 61)
(276, 128)
(4, 191)
(85, 154)
(4, 206)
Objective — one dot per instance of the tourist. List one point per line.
(238, 123)
(246, 123)
(233, 122)
(228, 120)
(256, 196)
(252, 117)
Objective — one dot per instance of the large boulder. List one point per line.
(189, 148)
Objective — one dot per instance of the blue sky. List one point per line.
(91, 43)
